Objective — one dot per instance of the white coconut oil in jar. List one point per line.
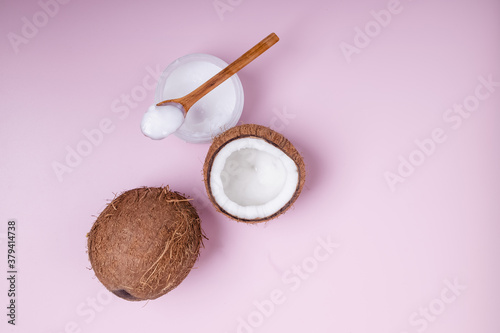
(213, 114)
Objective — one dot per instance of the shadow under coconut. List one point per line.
(314, 162)
(211, 230)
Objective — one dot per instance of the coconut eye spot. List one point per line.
(252, 177)
(125, 295)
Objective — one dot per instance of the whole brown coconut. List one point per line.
(253, 174)
(144, 243)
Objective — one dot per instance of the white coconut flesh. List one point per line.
(251, 178)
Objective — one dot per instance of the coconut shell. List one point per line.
(144, 243)
(264, 133)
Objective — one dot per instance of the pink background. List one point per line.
(396, 252)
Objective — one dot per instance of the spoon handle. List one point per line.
(191, 98)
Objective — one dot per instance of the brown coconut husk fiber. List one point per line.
(145, 242)
(264, 133)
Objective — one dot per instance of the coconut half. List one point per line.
(253, 174)
(144, 243)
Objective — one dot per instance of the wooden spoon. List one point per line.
(187, 101)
